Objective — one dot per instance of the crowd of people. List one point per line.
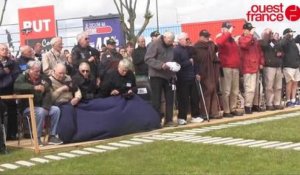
(202, 79)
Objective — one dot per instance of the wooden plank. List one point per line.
(33, 126)
(32, 115)
(15, 96)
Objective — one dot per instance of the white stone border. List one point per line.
(189, 135)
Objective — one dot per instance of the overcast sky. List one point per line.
(170, 11)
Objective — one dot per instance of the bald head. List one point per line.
(26, 51)
(141, 41)
(60, 71)
(84, 69)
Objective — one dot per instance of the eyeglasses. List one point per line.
(85, 71)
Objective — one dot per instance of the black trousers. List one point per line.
(159, 85)
(2, 132)
(12, 122)
(187, 95)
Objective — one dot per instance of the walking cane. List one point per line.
(173, 84)
(259, 81)
(261, 105)
(204, 104)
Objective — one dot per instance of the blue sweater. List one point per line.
(182, 57)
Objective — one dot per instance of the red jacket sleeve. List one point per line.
(245, 41)
(221, 40)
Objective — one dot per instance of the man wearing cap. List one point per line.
(252, 62)
(208, 73)
(109, 59)
(230, 62)
(291, 62)
(154, 36)
(83, 52)
(272, 69)
(158, 54)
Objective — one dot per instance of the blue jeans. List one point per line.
(40, 115)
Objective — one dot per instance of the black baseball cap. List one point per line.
(110, 41)
(154, 34)
(204, 33)
(288, 30)
(227, 25)
(248, 26)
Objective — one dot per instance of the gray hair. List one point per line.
(59, 66)
(24, 48)
(169, 35)
(55, 40)
(266, 31)
(182, 35)
(81, 35)
(32, 64)
(125, 63)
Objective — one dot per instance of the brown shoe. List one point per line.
(237, 113)
(216, 116)
(278, 107)
(270, 108)
(170, 124)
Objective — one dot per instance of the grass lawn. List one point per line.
(176, 158)
(279, 130)
(169, 157)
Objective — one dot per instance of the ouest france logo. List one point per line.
(273, 13)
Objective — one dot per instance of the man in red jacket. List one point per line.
(230, 62)
(252, 62)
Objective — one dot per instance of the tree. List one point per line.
(2, 13)
(129, 26)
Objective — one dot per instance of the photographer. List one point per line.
(64, 90)
(252, 62)
(120, 81)
(291, 62)
(8, 73)
(229, 55)
(272, 72)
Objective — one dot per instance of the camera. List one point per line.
(127, 96)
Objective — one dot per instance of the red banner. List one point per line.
(36, 23)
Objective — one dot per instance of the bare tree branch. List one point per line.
(147, 17)
(126, 6)
(128, 25)
(2, 13)
(134, 7)
(117, 6)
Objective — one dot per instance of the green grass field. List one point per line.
(169, 157)
(176, 158)
(279, 130)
